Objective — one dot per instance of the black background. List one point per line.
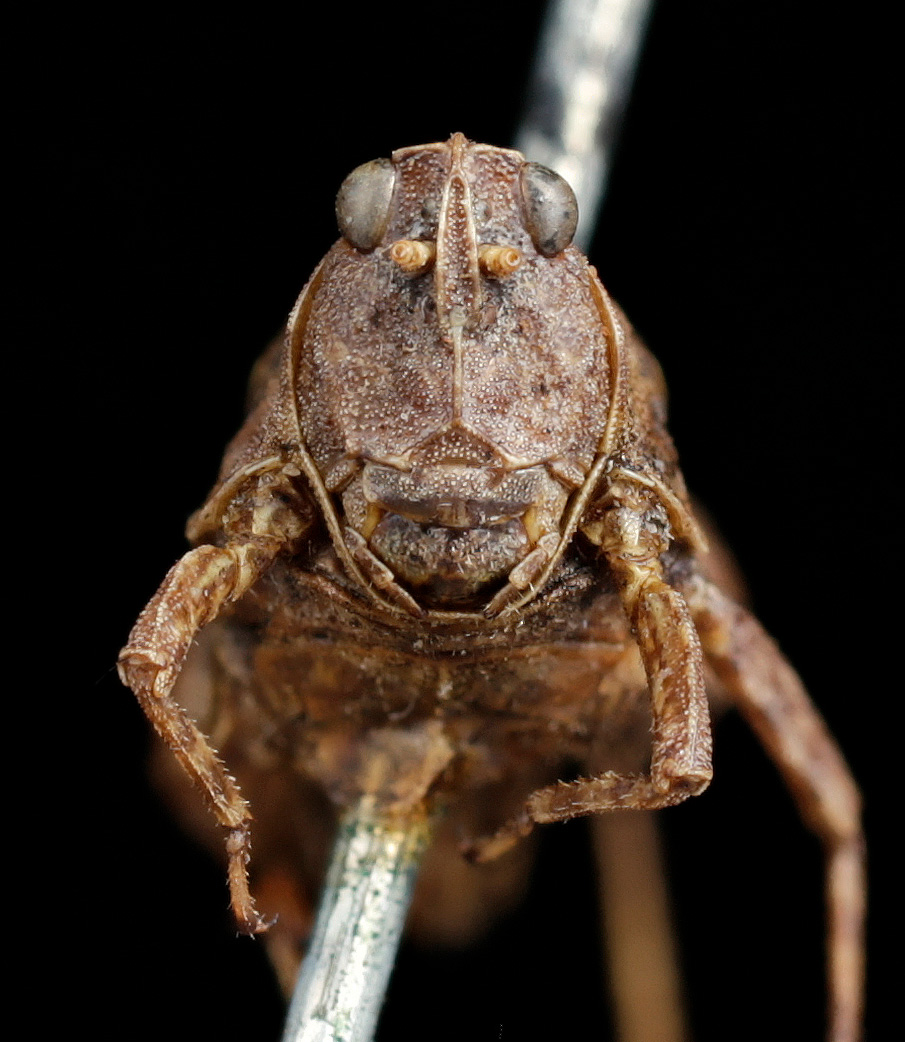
(178, 190)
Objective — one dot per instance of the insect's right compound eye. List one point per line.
(363, 203)
(551, 210)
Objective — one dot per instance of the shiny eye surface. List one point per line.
(551, 210)
(363, 203)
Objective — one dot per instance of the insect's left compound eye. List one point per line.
(551, 209)
(363, 203)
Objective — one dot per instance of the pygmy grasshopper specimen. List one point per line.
(451, 551)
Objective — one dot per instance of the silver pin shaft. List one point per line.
(359, 924)
(579, 89)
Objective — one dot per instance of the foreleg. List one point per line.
(191, 595)
(671, 652)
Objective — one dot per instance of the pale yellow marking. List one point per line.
(498, 261)
(413, 256)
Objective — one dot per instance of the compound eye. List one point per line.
(551, 209)
(363, 203)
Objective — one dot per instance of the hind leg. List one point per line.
(642, 953)
(771, 697)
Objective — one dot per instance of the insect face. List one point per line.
(452, 411)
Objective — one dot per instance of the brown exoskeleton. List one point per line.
(452, 536)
